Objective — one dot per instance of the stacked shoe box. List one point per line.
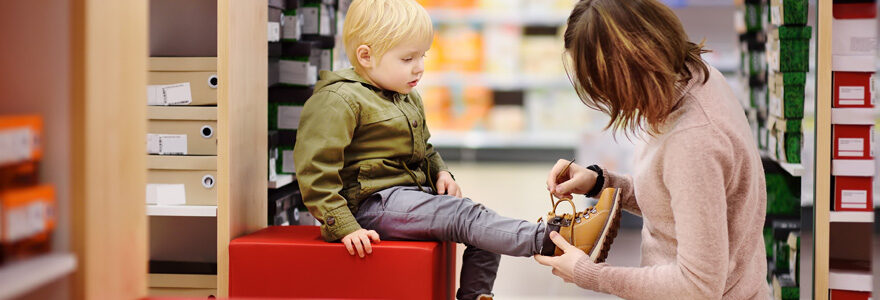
(751, 19)
(854, 31)
(788, 56)
(853, 63)
(182, 136)
(310, 42)
(27, 208)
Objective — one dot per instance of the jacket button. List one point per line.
(415, 124)
(331, 221)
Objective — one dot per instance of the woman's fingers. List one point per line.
(561, 242)
(545, 260)
(554, 173)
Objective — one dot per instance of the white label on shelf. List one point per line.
(169, 94)
(326, 60)
(852, 95)
(297, 72)
(166, 194)
(25, 221)
(274, 31)
(291, 27)
(851, 147)
(325, 20)
(288, 117)
(287, 165)
(17, 145)
(167, 144)
(311, 22)
(853, 198)
(775, 15)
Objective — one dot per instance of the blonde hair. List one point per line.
(382, 25)
(629, 59)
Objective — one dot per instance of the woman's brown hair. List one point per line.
(629, 59)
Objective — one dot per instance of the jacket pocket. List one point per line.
(379, 116)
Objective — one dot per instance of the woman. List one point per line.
(698, 182)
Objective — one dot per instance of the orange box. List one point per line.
(20, 139)
(28, 218)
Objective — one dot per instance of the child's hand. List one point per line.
(360, 239)
(446, 185)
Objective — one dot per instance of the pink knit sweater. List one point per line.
(699, 187)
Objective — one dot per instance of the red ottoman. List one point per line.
(295, 262)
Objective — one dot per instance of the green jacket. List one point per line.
(354, 140)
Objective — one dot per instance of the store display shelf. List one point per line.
(850, 280)
(498, 82)
(281, 181)
(19, 278)
(852, 216)
(182, 210)
(796, 170)
(517, 140)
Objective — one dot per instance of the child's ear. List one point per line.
(364, 56)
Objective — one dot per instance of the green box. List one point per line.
(790, 48)
(284, 116)
(791, 147)
(752, 15)
(781, 199)
(285, 159)
(788, 12)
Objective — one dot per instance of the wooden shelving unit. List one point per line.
(822, 172)
(241, 145)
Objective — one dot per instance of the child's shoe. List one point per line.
(593, 230)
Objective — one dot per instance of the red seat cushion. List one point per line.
(295, 262)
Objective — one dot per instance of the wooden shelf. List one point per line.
(281, 181)
(182, 210)
(852, 216)
(183, 281)
(18, 278)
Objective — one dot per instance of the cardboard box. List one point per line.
(848, 295)
(182, 130)
(183, 28)
(284, 116)
(28, 217)
(20, 139)
(788, 137)
(297, 72)
(853, 45)
(182, 180)
(788, 48)
(788, 12)
(853, 89)
(786, 94)
(291, 26)
(182, 81)
(855, 10)
(284, 163)
(853, 193)
(853, 141)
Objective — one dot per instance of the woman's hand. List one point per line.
(563, 265)
(360, 240)
(576, 180)
(446, 185)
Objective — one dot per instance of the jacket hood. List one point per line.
(344, 75)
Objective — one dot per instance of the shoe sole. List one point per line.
(598, 255)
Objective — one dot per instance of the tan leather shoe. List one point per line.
(592, 230)
(485, 297)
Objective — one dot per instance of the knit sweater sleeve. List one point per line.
(627, 193)
(694, 163)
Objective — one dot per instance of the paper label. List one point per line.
(325, 21)
(326, 60)
(288, 117)
(775, 15)
(291, 28)
(853, 198)
(274, 32)
(287, 165)
(25, 221)
(166, 194)
(16, 145)
(297, 72)
(851, 95)
(851, 147)
(272, 174)
(167, 144)
(865, 44)
(169, 94)
(311, 20)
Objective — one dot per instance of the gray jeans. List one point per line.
(405, 213)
